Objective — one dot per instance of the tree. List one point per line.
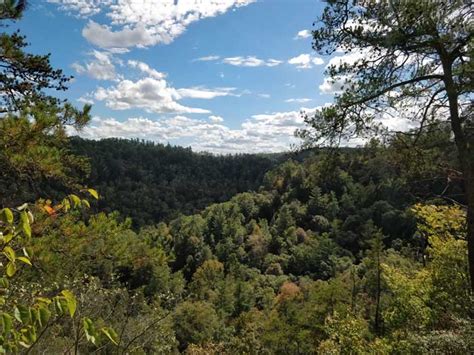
(409, 58)
(23, 323)
(375, 280)
(32, 123)
(12, 9)
(195, 323)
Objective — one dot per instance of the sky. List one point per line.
(223, 76)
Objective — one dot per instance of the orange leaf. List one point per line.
(49, 210)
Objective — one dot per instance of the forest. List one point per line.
(120, 246)
(164, 180)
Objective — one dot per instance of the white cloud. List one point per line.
(260, 133)
(103, 36)
(216, 119)
(332, 86)
(335, 85)
(153, 94)
(209, 58)
(149, 94)
(305, 61)
(251, 61)
(300, 101)
(100, 68)
(144, 23)
(86, 99)
(348, 58)
(203, 93)
(145, 68)
(303, 34)
(242, 61)
(81, 8)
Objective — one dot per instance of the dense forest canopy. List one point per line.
(131, 247)
(412, 60)
(152, 182)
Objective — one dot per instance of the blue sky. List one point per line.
(225, 76)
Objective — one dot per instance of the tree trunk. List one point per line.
(465, 146)
(469, 188)
(377, 299)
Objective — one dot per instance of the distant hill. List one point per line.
(152, 182)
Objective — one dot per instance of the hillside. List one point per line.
(289, 268)
(360, 240)
(153, 182)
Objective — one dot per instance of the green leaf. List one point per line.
(6, 215)
(7, 323)
(7, 238)
(93, 193)
(86, 203)
(4, 282)
(9, 253)
(70, 301)
(35, 316)
(11, 269)
(111, 334)
(44, 315)
(29, 335)
(89, 330)
(25, 223)
(75, 200)
(24, 259)
(43, 300)
(22, 314)
(66, 205)
(58, 305)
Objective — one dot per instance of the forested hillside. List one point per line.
(334, 253)
(152, 182)
(116, 247)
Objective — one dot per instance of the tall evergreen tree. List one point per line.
(407, 57)
(32, 122)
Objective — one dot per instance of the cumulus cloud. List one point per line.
(336, 84)
(332, 86)
(152, 93)
(251, 61)
(146, 69)
(216, 119)
(305, 61)
(144, 23)
(101, 67)
(149, 94)
(348, 58)
(259, 133)
(139, 36)
(303, 34)
(81, 8)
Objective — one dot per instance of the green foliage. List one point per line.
(333, 255)
(153, 182)
(195, 323)
(34, 152)
(387, 75)
(23, 324)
